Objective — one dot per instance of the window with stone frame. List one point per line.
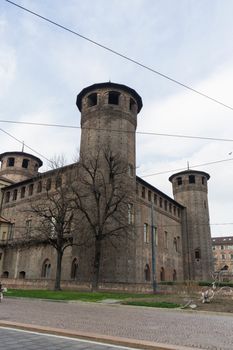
(28, 227)
(130, 214)
(46, 269)
(146, 233)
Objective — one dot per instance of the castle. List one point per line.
(172, 238)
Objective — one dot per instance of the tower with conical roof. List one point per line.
(190, 189)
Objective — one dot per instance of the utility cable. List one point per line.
(122, 55)
(24, 145)
(117, 130)
(182, 169)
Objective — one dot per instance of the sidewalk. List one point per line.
(137, 327)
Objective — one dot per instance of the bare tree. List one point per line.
(102, 199)
(56, 216)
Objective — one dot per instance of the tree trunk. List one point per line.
(96, 267)
(57, 285)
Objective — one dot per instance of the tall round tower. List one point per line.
(19, 166)
(109, 119)
(190, 189)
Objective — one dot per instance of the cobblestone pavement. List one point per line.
(178, 327)
(18, 340)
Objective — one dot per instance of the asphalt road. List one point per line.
(178, 327)
(11, 339)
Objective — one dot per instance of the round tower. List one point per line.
(190, 189)
(109, 119)
(19, 166)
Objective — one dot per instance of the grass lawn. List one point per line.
(71, 295)
(152, 300)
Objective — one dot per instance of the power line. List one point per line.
(182, 169)
(117, 130)
(23, 144)
(142, 176)
(121, 55)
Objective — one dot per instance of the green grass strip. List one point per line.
(71, 295)
(162, 304)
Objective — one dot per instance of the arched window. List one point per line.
(147, 273)
(175, 244)
(197, 254)
(74, 269)
(162, 274)
(22, 274)
(174, 276)
(46, 269)
(5, 274)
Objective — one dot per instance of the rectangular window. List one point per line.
(25, 163)
(23, 189)
(231, 256)
(30, 190)
(146, 233)
(15, 195)
(192, 179)
(39, 187)
(149, 196)
(48, 184)
(165, 205)
(28, 227)
(223, 256)
(174, 210)
(170, 207)
(130, 214)
(160, 202)
(155, 199)
(143, 192)
(165, 239)
(7, 197)
(10, 161)
(11, 231)
(58, 182)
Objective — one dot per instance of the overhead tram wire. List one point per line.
(191, 167)
(142, 176)
(117, 130)
(122, 56)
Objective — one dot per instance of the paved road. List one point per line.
(193, 329)
(20, 340)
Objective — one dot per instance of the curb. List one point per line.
(133, 343)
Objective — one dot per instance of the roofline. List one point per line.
(189, 172)
(21, 154)
(159, 192)
(38, 176)
(108, 85)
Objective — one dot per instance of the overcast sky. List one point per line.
(43, 68)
